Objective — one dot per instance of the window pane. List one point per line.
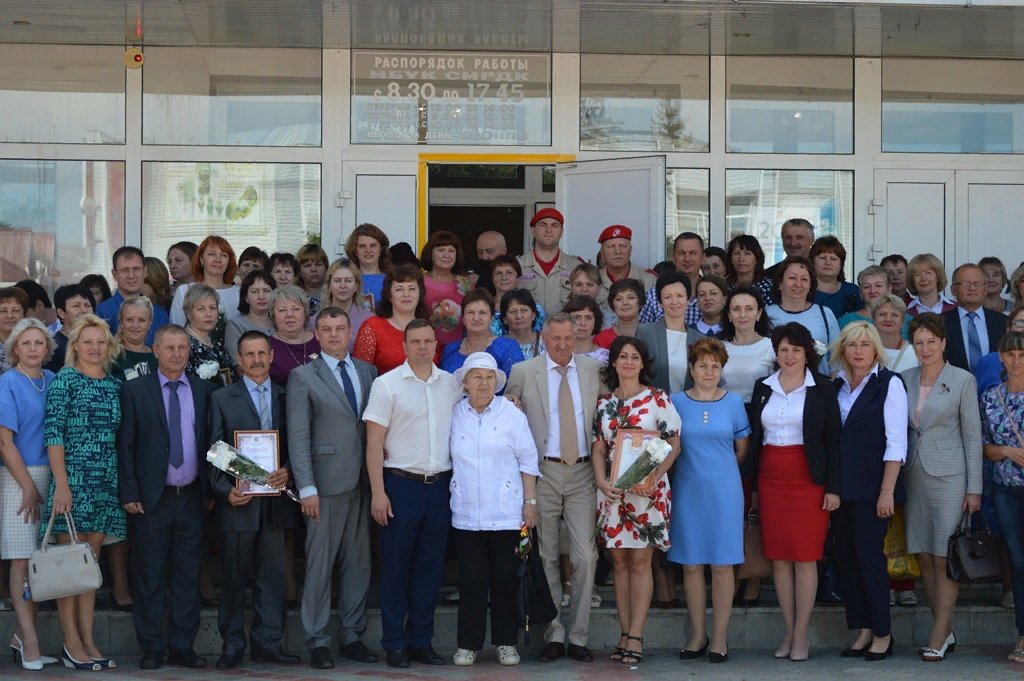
(759, 201)
(231, 96)
(644, 103)
(275, 206)
(59, 220)
(953, 106)
(687, 207)
(790, 105)
(472, 98)
(62, 93)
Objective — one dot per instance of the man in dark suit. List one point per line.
(326, 443)
(972, 331)
(161, 448)
(252, 527)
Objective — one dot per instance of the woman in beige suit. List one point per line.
(943, 469)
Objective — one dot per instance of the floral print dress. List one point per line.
(635, 521)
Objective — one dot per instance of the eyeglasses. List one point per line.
(969, 284)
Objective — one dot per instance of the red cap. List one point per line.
(615, 232)
(547, 213)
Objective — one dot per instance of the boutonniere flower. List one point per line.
(313, 356)
(943, 389)
(820, 348)
(208, 369)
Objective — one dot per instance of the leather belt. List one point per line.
(428, 479)
(184, 489)
(565, 463)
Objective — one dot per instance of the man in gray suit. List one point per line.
(327, 443)
(252, 527)
(559, 392)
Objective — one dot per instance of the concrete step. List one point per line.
(979, 620)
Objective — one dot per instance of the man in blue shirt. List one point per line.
(129, 273)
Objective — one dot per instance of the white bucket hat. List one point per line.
(481, 360)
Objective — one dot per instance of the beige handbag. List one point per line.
(60, 570)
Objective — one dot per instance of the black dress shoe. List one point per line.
(685, 654)
(187, 659)
(398, 659)
(277, 656)
(717, 658)
(854, 652)
(151, 661)
(229, 660)
(580, 653)
(320, 658)
(551, 652)
(358, 651)
(875, 657)
(426, 656)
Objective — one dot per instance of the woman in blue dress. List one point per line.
(83, 412)
(477, 313)
(707, 523)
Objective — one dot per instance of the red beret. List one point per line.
(547, 213)
(615, 232)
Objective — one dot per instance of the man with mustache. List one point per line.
(252, 527)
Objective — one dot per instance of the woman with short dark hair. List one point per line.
(626, 296)
(587, 320)
(380, 339)
(794, 452)
(254, 304)
(477, 313)
(521, 320)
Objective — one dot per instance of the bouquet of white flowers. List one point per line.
(654, 455)
(224, 457)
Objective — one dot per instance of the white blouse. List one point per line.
(746, 364)
(783, 415)
(894, 412)
(490, 451)
(677, 362)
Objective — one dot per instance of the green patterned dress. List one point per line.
(83, 415)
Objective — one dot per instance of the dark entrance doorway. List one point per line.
(467, 222)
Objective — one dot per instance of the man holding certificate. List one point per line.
(249, 414)
(326, 442)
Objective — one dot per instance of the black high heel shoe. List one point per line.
(72, 663)
(874, 657)
(685, 654)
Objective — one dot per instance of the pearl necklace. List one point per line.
(32, 381)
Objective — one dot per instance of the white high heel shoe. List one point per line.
(18, 653)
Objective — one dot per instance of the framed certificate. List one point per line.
(263, 447)
(629, 445)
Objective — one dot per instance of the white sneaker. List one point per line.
(508, 655)
(908, 598)
(595, 598)
(566, 595)
(464, 657)
(892, 598)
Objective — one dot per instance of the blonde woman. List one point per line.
(83, 412)
(25, 471)
(926, 281)
(344, 289)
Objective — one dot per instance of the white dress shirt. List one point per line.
(979, 324)
(895, 414)
(582, 429)
(783, 415)
(350, 369)
(490, 451)
(418, 418)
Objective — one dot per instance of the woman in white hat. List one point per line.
(493, 495)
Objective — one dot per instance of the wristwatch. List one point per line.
(531, 502)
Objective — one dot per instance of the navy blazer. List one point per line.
(822, 428)
(862, 443)
(956, 344)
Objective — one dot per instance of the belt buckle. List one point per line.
(429, 479)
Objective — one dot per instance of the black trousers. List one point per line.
(487, 571)
(167, 552)
(266, 551)
(860, 536)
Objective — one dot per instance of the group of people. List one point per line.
(488, 403)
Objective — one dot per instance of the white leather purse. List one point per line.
(60, 570)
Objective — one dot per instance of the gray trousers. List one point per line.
(569, 493)
(341, 536)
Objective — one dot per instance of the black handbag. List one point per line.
(536, 607)
(974, 555)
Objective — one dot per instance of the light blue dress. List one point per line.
(707, 495)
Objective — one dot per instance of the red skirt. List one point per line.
(793, 524)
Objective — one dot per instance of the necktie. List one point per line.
(973, 340)
(265, 421)
(568, 439)
(350, 390)
(177, 457)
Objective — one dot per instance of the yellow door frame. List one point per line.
(423, 190)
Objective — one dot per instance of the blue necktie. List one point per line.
(265, 420)
(350, 390)
(177, 457)
(973, 340)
